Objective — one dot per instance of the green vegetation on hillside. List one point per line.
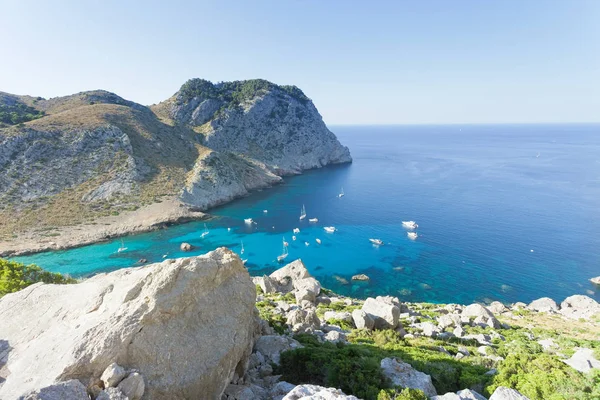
(17, 113)
(15, 276)
(519, 361)
(234, 92)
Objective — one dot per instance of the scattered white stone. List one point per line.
(384, 313)
(504, 393)
(272, 346)
(579, 306)
(402, 374)
(314, 392)
(465, 394)
(497, 308)
(583, 360)
(133, 386)
(113, 374)
(362, 320)
(72, 390)
(544, 304)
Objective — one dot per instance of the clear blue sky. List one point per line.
(362, 62)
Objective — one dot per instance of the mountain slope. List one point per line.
(84, 158)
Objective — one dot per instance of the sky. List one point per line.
(361, 62)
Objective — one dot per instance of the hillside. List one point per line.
(70, 165)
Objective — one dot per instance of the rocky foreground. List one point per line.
(73, 168)
(202, 328)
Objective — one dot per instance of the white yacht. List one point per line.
(329, 229)
(377, 242)
(313, 220)
(296, 230)
(205, 232)
(284, 252)
(242, 251)
(306, 244)
(410, 225)
(302, 213)
(412, 235)
(248, 221)
(341, 193)
(122, 248)
(318, 240)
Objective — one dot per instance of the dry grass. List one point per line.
(578, 329)
(169, 152)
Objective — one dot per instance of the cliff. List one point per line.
(81, 159)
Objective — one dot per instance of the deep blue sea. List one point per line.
(505, 212)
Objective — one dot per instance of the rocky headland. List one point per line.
(202, 328)
(91, 166)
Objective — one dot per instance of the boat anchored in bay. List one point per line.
(376, 242)
(284, 252)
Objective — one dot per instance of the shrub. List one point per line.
(401, 394)
(15, 276)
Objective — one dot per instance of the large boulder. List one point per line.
(271, 346)
(583, 360)
(265, 283)
(69, 390)
(383, 311)
(286, 277)
(402, 374)
(362, 320)
(544, 304)
(314, 392)
(476, 310)
(504, 393)
(579, 306)
(497, 308)
(465, 394)
(186, 325)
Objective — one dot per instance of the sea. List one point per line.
(504, 212)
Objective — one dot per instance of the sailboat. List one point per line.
(205, 231)
(318, 240)
(284, 254)
(122, 248)
(341, 193)
(302, 213)
(313, 220)
(242, 251)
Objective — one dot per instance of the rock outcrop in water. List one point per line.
(93, 155)
(186, 325)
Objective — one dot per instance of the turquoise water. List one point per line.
(484, 197)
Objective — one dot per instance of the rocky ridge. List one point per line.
(93, 155)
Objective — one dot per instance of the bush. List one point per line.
(401, 394)
(15, 276)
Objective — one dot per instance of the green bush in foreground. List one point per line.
(15, 276)
(401, 394)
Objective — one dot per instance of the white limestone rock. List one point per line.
(544, 304)
(504, 393)
(384, 313)
(579, 306)
(466, 394)
(314, 392)
(362, 320)
(133, 386)
(113, 374)
(583, 360)
(165, 319)
(272, 346)
(71, 390)
(402, 374)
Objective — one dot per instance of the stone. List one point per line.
(71, 390)
(266, 284)
(272, 346)
(186, 246)
(459, 331)
(339, 315)
(310, 284)
(164, 319)
(429, 329)
(544, 304)
(281, 389)
(402, 374)
(301, 320)
(113, 374)
(111, 394)
(583, 360)
(360, 277)
(362, 320)
(548, 344)
(285, 277)
(384, 314)
(504, 393)
(448, 320)
(133, 386)
(335, 336)
(314, 392)
(519, 305)
(476, 310)
(305, 295)
(497, 308)
(596, 280)
(466, 394)
(463, 350)
(579, 306)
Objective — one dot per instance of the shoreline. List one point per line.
(146, 219)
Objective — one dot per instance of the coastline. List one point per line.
(149, 218)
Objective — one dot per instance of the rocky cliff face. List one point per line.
(186, 326)
(276, 125)
(73, 159)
